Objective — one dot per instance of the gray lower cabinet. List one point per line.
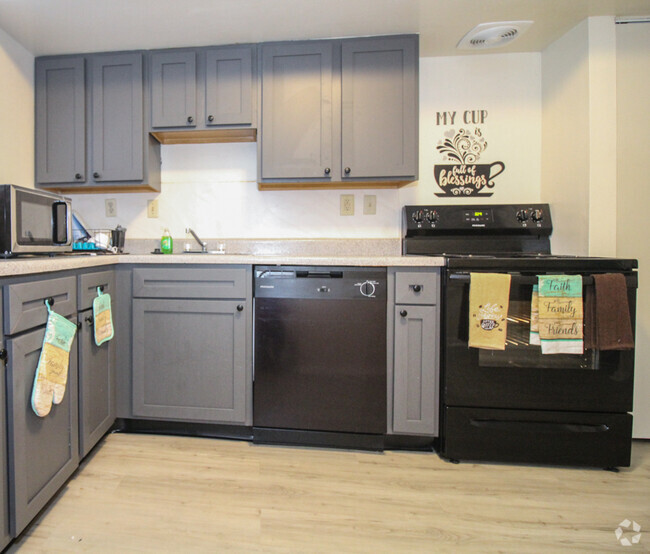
(189, 359)
(5, 536)
(90, 124)
(203, 88)
(43, 452)
(414, 360)
(96, 364)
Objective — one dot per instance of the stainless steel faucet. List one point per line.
(202, 244)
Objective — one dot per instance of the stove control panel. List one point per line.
(490, 219)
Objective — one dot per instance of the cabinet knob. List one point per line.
(96, 175)
(327, 171)
(3, 354)
(210, 118)
(416, 288)
(49, 300)
(240, 308)
(79, 325)
(347, 170)
(190, 119)
(89, 319)
(403, 313)
(78, 176)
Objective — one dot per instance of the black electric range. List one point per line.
(519, 405)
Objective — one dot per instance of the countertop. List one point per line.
(37, 264)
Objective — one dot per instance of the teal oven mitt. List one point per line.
(103, 318)
(52, 370)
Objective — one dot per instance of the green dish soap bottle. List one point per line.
(166, 243)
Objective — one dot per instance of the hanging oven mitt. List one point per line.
(489, 295)
(103, 318)
(52, 370)
(560, 314)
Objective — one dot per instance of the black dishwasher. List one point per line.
(320, 355)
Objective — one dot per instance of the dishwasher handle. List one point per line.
(301, 274)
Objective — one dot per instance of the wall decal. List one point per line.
(464, 176)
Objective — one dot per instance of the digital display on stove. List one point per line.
(478, 216)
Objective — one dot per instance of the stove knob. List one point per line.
(417, 216)
(538, 215)
(432, 216)
(522, 215)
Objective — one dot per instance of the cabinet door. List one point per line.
(4, 477)
(60, 120)
(189, 359)
(296, 110)
(229, 86)
(43, 451)
(96, 385)
(379, 93)
(415, 396)
(173, 89)
(118, 140)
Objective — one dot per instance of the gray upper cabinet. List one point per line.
(379, 99)
(90, 125)
(201, 90)
(297, 111)
(229, 86)
(340, 111)
(117, 118)
(60, 120)
(173, 89)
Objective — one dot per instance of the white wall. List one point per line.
(213, 188)
(633, 198)
(16, 113)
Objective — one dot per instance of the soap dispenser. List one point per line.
(166, 242)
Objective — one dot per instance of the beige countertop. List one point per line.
(33, 265)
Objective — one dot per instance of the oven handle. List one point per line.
(539, 426)
(587, 280)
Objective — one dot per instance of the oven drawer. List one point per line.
(417, 287)
(527, 436)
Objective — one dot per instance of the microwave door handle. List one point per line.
(60, 222)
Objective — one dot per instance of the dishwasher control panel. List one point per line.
(316, 282)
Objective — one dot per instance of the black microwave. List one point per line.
(34, 221)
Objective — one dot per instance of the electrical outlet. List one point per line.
(347, 204)
(369, 204)
(111, 207)
(152, 208)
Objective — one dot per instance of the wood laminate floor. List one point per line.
(143, 493)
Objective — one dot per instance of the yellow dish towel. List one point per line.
(489, 295)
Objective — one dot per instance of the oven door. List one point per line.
(521, 377)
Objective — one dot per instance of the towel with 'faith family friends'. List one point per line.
(489, 295)
(560, 314)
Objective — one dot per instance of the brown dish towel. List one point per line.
(607, 314)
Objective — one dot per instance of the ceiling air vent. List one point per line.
(493, 35)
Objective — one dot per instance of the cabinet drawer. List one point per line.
(417, 287)
(25, 307)
(189, 283)
(88, 284)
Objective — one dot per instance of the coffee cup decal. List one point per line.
(464, 176)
